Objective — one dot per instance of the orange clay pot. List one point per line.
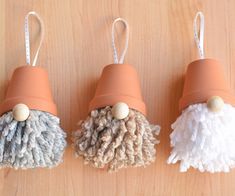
(29, 85)
(205, 78)
(118, 83)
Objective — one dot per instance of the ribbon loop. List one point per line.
(115, 53)
(199, 39)
(27, 37)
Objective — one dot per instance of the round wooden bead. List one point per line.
(215, 103)
(120, 110)
(20, 112)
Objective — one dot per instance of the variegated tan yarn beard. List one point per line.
(37, 142)
(104, 141)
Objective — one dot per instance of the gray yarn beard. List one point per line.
(37, 142)
(104, 141)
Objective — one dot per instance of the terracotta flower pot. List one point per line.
(205, 78)
(29, 85)
(118, 83)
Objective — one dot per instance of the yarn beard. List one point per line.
(36, 142)
(203, 139)
(104, 141)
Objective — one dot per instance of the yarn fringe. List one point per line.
(203, 139)
(37, 142)
(106, 142)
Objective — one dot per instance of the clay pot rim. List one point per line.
(43, 104)
(118, 64)
(228, 97)
(205, 59)
(30, 66)
(132, 101)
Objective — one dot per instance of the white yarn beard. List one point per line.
(104, 141)
(203, 139)
(37, 142)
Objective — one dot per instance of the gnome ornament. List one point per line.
(30, 134)
(203, 136)
(116, 134)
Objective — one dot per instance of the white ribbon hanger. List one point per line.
(27, 37)
(199, 39)
(115, 53)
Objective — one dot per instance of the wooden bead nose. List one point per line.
(20, 112)
(215, 103)
(120, 110)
